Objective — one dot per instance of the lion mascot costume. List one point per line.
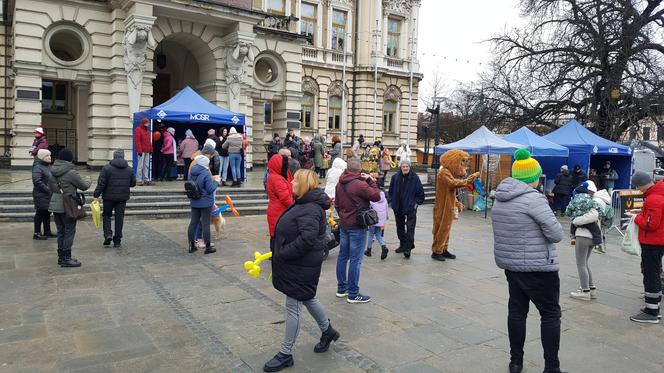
(452, 176)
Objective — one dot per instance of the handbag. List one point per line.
(366, 217)
(72, 204)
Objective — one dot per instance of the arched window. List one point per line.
(308, 104)
(334, 113)
(389, 116)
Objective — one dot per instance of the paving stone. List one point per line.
(78, 318)
(390, 350)
(417, 367)
(112, 339)
(7, 265)
(22, 333)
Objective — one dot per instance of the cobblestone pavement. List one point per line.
(151, 307)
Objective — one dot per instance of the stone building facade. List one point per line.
(81, 68)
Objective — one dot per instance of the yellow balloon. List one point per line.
(254, 268)
(248, 265)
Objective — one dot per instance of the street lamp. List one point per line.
(435, 111)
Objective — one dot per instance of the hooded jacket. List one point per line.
(406, 201)
(335, 152)
(234, 143)
(279, 191)
(70, 181)
(299, 242)
(651, 227)
(319, 152)
(115, 181)
(38, 143)
(169, 144)
(563, 183)
(201, 175)
(142, 140)
(187, 147)
(41, 192)
(352, 195)
(524, 229)
(333, 175)
(381, 209)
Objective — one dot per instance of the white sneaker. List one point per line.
(593, 293)
(581, 295)
(342, 295)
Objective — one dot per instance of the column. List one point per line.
(27, 116)
(81, 120)
(138, 38)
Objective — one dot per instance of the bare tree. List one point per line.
(600, 61)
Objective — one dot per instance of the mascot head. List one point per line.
(457, 161)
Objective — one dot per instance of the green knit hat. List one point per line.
(525, 168)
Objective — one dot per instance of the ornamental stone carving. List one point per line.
(393, 93)
(137, 40)
(337, 88)
(236, 55)
(310, 86)
(402, 7)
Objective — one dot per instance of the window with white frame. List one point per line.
(308, 103)
(389, 116)
(334, 113)
(308, 22)
(393, 37)
(276, 7)
(339, 20)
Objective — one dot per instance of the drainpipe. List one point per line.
(355, 59)
(7, 26)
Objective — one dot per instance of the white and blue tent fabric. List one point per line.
(482, 141)
(536, 144)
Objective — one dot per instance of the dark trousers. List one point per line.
(119, 208)
(543, 289)
(651, 263)
(202, 217)
(560, 202)
(406, 229)
(187, 163)
(43, 217)
(66, 231)
(594, 229)
(165, 166)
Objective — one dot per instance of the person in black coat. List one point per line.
(300, 240)
(41, 194)
(562, 190)
(405, 194)
(578, 176)
(113, 185)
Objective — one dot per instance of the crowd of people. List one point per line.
(525, 228)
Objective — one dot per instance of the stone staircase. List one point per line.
(162, 203)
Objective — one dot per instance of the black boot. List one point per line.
(192, 247)
(61, 257)
(400, 250)
(383, 252)
(48, 234)
(107, 241)
(448, 255)
(328, 336)
(117, 244)
(236, 184)
(68, 261)
(39, 237)
(438, 257)
(278, 362)
(367, 252)
(515, 368)
(209, 249)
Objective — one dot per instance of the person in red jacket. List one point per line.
(279, 190)
(143, 145)
(651, 238)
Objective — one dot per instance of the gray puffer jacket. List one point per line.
(524, 229)
(70, 181)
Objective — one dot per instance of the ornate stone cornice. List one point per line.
(337, 88)
(401, 7)
(309, 85)
(393, 93)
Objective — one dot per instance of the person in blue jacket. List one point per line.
(201, 208)
(405, 194)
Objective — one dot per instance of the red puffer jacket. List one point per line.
(142, 140)
(279, 191)
(651, 227)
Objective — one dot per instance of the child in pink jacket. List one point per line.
(378, 229)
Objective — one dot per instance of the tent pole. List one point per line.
(151, 155)
(486, 186)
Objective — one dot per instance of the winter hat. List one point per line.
(525, 168)
(39, 131)
(564, 168)
(210, 142)
(118, 153)
(66, 155)
(207, 150)
(189, 133)
(640, 179)
(404, 161)
(232, 131)
(171, 130)
(202, 160)
(43, 153)
(590, 186)
(211, 131)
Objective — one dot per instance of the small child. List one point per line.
(378, 229)
(581, 204)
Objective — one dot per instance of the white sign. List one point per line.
(161, 114)
(595, 150)
(613, 150)
(199, 117)
(235, 119)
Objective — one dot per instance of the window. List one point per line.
(276, 7)
(646, 133)
(307, 110)
(267, 109)
(54, 96)
(389, 116)
(308, 22)
(393, 37)
(66, 45)
(338, 30)
(660, 134)
(265, 70)
(334, 113)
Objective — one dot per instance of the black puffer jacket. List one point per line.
(41, 192)
(564, 183)
(114, 181)
(299, 243)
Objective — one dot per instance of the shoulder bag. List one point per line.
(73, 204)
(366, 217)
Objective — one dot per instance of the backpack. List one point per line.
(192, 190)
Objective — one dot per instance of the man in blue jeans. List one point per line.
(353, 193)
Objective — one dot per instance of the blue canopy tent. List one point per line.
(482, 141)
(188, 110)
(591, 151)
(550, 155)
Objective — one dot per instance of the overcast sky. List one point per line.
(451, 34)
